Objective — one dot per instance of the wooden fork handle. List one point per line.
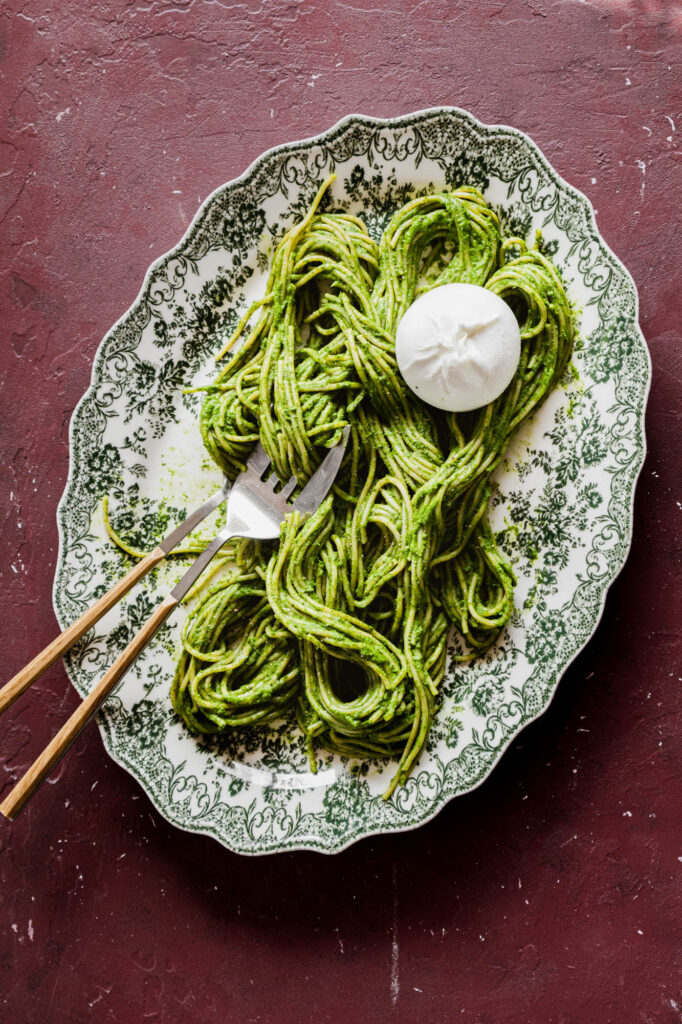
(44, 764)
(22, 680)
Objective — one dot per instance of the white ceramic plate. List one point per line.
(562, 503)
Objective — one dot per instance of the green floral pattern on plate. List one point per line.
(562, 504)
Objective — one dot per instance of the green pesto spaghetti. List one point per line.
(345, 619)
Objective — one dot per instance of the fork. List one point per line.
(257, 504)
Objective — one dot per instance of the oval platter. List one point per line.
(561, 506)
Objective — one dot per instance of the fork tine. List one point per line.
(289, 486)
(320, 483)
(258, 460)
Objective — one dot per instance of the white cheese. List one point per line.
(458, 346)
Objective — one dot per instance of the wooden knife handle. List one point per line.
(43, 765)
(22, 680)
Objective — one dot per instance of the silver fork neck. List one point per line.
(250, 514)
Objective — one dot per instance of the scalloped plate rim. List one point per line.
(628, 526)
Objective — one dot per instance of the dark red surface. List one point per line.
(551, 894)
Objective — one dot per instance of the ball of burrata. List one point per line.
(458, 346)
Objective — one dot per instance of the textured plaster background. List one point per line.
(550, 895)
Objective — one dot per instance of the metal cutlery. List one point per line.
(257, 504)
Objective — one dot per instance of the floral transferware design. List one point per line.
(562, 504)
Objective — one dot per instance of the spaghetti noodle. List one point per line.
(346, 618)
